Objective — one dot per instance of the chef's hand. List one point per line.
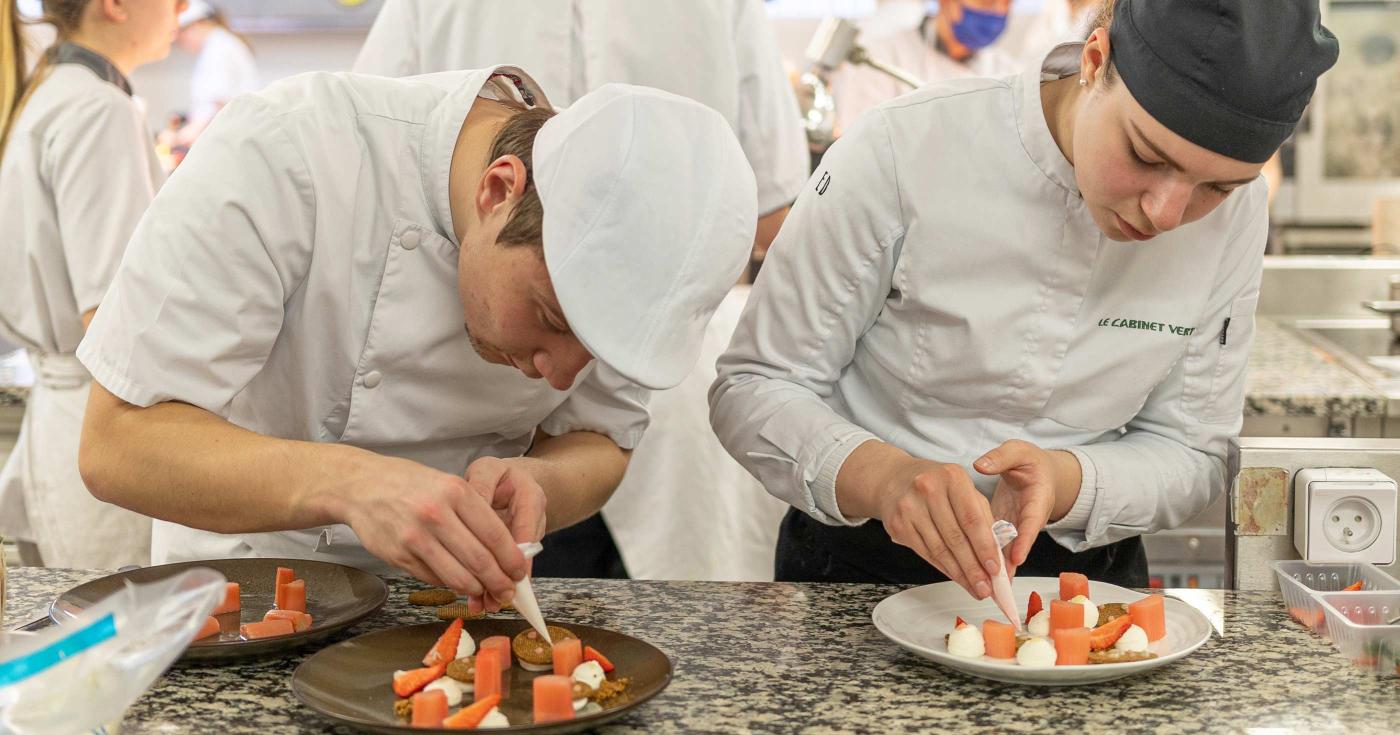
(514, 494)
(934, 509)
(518, 500)
(1035, 486)
(437, 527)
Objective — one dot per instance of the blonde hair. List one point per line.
(65, 16)
(1104, 18)
(218, 18)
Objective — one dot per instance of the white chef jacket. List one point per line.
(77, 173)
(859, 88)
(721, 53)
(686, 509)
(298, 277)
(223, 70)
(945, 293)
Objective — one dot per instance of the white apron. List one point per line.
(43, 498)
(686, 509)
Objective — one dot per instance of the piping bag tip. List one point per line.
(525, 602)
(1005, 533)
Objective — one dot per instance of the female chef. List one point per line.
(77, 170)
(1028, 298)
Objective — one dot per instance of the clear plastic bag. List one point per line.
(81, 675)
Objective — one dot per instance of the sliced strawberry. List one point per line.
(591, 654)
(470, 716)
(411, 681)
(1103, 637)
(446, 647)
(1034, 606)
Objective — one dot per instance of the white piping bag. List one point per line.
(1005, 533)
(525, 602)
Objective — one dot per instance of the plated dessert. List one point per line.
(459, 671)
(1072, 631)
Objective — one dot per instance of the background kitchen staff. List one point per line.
(954, 43)
(77, 169)
(933, 305)
(282, 365)
(223, 69)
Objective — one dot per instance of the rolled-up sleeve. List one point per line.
(821, 288)
(199, 299)
(604, 403)
(1169, 464)
(770, 123)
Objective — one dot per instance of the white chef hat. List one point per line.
(196, 11)
(649, 214)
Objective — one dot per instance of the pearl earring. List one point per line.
(1083, 81)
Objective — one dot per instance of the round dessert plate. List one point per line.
(918, 618)
(351, 682)
(337, 597)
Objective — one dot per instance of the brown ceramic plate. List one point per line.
(337, 597)
(352, 681)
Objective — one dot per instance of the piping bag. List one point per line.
(525, 602)
(1005, 533)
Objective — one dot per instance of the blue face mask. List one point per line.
(978, 29)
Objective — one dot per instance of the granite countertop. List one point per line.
(1287, 376)
(777, 658)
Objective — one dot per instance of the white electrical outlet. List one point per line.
(1344, 514)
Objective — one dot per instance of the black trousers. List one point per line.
(585, 549)
(811, 551)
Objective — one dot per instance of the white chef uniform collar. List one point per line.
(507, 84)
(649, 214)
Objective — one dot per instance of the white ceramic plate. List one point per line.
(918, 618)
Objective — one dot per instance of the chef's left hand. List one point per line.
(517, 498)
(1036, 486)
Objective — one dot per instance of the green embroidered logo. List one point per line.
(1121, 323)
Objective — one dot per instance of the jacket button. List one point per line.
(409, 240)
(372, 378)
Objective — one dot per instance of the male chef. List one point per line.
(390, 322)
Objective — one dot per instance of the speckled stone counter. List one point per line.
(779, 658)
(1289, 377)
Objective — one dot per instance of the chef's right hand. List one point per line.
(934, 509)
(438, 527)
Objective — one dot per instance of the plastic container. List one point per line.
(1301, 581)
(1365, 626)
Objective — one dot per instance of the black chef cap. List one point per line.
(1231, 76)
